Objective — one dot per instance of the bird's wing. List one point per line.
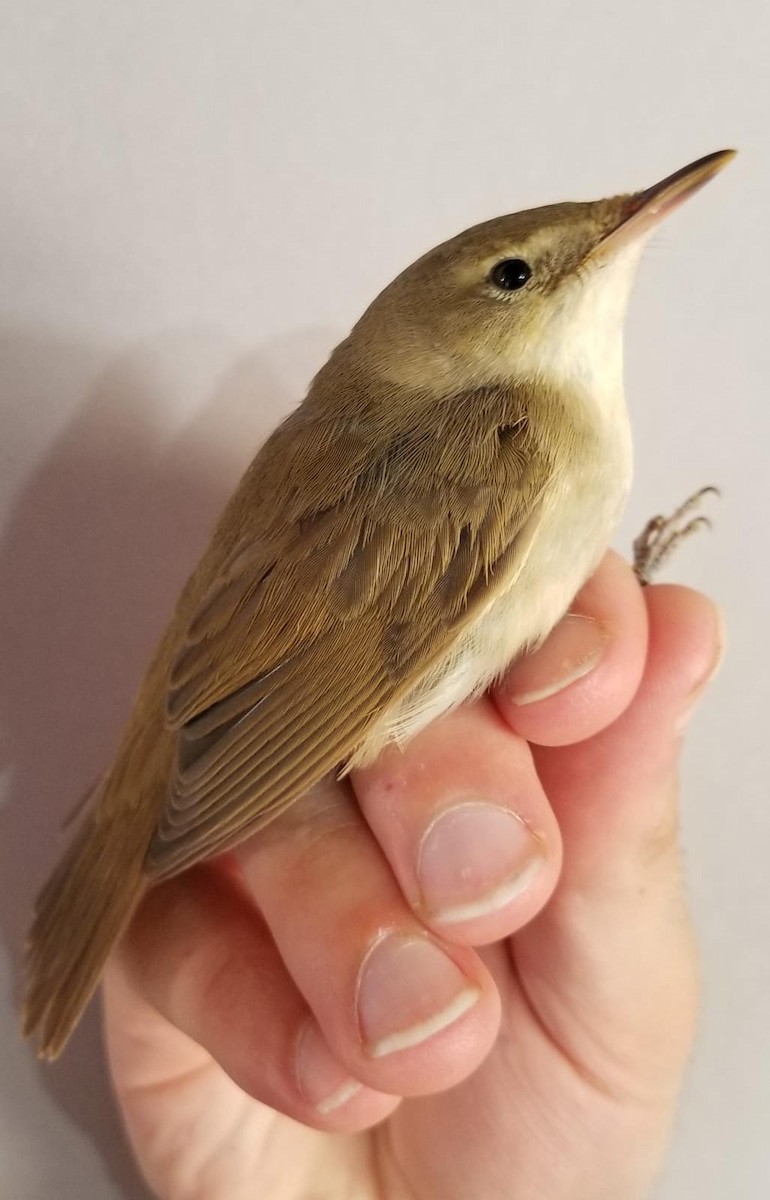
(313, 629)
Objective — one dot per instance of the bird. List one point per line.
(452, 477)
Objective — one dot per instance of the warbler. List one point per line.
(452, 478)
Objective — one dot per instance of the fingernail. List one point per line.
(474, 859)
(721, 642)
(683, 719)
(409, 990)
(569, 652)
(320, 1078)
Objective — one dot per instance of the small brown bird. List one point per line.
(452, 478)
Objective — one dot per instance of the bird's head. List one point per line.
(537, 296)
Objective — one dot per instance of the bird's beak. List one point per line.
(642, 210)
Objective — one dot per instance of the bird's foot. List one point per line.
(662, 535)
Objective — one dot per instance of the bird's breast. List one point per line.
(580, 508)
(579, 515)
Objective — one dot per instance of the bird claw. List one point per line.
(662, 535)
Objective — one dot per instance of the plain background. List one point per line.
(197, 200)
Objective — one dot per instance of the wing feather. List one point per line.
(320, 620)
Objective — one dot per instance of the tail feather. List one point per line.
(80, 913)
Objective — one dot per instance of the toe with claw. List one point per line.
(662, 535)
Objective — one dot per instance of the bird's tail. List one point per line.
(79, 915)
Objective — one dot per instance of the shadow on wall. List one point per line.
(94, 555)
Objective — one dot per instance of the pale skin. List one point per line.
(544, 1055)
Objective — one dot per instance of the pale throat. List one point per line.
(581, 347)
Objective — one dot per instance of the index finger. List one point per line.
(589, 668)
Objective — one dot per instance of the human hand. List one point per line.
(486, 1012)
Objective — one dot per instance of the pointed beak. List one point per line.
(641, 211)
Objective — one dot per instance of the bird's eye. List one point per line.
(511, 274)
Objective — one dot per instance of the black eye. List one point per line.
(511, 274)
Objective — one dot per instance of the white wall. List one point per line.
(197, 199)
